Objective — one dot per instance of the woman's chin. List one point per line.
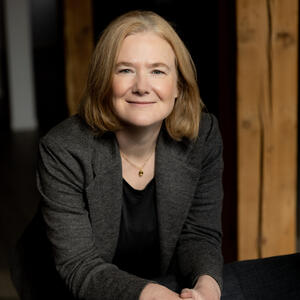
(142, 123)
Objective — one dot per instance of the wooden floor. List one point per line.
(18, 198)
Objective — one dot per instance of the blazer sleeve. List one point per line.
(61, 183)
(199, 247)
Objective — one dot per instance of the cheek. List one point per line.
(119, 87)
(167, 90)
(171, 105)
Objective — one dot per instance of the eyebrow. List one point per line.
(153, 65)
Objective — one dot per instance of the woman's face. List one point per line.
(145, 80)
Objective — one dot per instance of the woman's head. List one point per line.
(97, 106)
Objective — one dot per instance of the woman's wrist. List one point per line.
(150, 290)
(154, 291)
(208, 285)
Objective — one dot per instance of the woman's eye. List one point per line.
(157, 72)
(124, 71)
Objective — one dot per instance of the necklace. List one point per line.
(141, 172)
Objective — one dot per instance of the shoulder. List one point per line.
(209, 135)
(68, 145)
(74, 145)
(194, 153)
(68, 149)
(209, 128)
(208, 145)
(69, 133)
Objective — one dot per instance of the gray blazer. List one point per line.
(80, 180)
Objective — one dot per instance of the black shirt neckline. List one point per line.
(148, 185)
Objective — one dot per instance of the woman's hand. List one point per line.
(153, 291)
(193, 294)
(206, 288)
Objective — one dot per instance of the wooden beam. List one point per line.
(78, 38)
(267, 67)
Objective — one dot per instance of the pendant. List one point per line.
(141, 173)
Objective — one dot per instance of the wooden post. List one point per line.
(267, 67)
(78, 37)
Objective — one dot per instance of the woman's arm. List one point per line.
(199, 248)
(61, 182)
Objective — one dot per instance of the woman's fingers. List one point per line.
(190, 294)
(186, 294)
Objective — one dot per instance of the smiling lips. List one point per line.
(140, 102)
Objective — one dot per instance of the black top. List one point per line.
(138, 245)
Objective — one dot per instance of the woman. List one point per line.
(131, 187)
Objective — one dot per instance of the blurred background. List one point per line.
(246, 54)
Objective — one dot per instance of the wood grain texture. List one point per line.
(78, 38)
(267, 66)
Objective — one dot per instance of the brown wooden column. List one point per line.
(78, 37)
(267, 68)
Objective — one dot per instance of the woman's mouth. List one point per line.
(140, 102)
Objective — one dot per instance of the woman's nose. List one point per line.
(141, 85)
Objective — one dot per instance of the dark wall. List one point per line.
(48, 57)
(4, 96)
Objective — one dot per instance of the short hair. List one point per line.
(96, 107)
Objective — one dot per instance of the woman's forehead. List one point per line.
(146, 46)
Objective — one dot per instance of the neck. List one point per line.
(138, 142)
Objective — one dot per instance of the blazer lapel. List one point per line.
(105, 195)
(175, 186)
